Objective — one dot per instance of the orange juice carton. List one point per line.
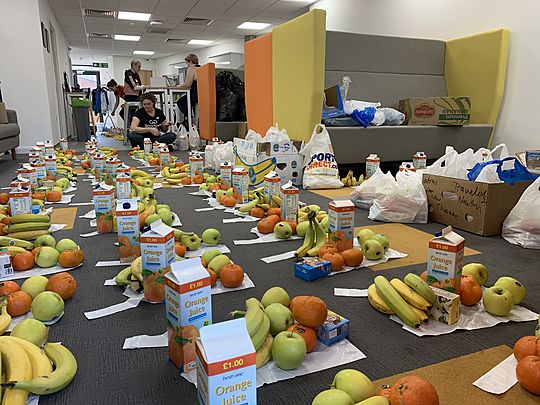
(165, 157)
(445, 260)
(334, 329)
(90, 147)
(41, 172)
(240, 182)
(111, 164)
(64, 144)
(104, 207)
(420, 160)
(372, 164)
(341, 224)
(41, 147)
(272, 185)
(196, 164)
(448, 309)
(225, 170)
(155, 148)
(22, 182)
(123, 186)
(157, 252)
(188, 307)
(50, 166)
(147, 143)
(28, 172)
(33, 156)
(20, 200)
(99, 162)
(226, 365)
(290, 199)
(127, 218)
(49, 148)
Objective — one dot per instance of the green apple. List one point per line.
(478, 271)
(373, 250)
(220, 193)
(191, 242)
(162, 206)
(230, 192)
(148, 191)
(383, 240)
(65, 244)
(288, 350)
(332, 397)
(280, 317)
(151, 218)
(375, 400)
(59, 189)
(208, 255)
(514, 286)
(211, 179)
(354, 383)
(31, 330)
(47, 305)
(146, 182)
(47, 257)
(302, 228)
(211, 236)
(218, 262)
(364, 235)
(283, 230)
(205, 175)
(166, 216)
(275, 295)
(204, 186)
(35, 285)
(62, 184)
(498, 301)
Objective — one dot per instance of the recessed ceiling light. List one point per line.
(156, 22)
(119, 37)
(129, 15)
(223, 63)
(199, 42)
(248, 25)
(143, 52)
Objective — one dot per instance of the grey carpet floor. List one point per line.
(109, 375)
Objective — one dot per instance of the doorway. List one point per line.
(62, 118)
(87, 79)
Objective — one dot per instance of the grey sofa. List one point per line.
(388, 69)
(9, 134)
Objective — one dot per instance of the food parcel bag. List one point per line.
(320, 166)
(522, 225)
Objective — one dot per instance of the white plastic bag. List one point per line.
(392, 116)
(452, 164)
(274, 134)
(223, 153)
(320, 166)
(363, 195)
(209, 155)
(194, 138)
(378, 120)
(182, 141)
(489, 175)
(344, 88)
(522, 225)
(350, 105)
(253, 136)
(498, 152)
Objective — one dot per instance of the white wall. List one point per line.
(451, 19)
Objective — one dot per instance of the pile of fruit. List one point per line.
(104, 150)
(374, 245)
(527, 353)
(142, 184)
(350, 181)
(64, 157)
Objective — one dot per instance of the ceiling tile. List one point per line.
(211, 8)
(256, 3)
(171, 11)
(99, 4)
(185, 4)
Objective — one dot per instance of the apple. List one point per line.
(211, 179)
(498, 301)
(383, 240)
(167, 217)
(162, 206)
(218, 262)
(283, 230)
(514, 286)
(332, 397)
(280, 317)
(45, 240)
(151, 218)
(31, 330)
(211, 236)
(364, 235)
(478, 271)
(35, 285)
(47, 257)
(146, 182)
(356, 384)
(302, 228)
(219, 194)
(191, 242)
(288, 350)
(59, 189)
(47, 305)
(208, 255)
(373, 250)
(230, 192)
(204, 186)
(66, 244)
(275, 295)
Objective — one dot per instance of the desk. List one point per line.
(169, 104)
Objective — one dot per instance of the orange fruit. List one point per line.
(308, 310)
(308, 334)
(470, 292)
(231, 275)
(352, 257)
(257, 212)
(23, 261)
(179, 249)
(336, 260)
(7, 287)
(528, 373)
(18, 303)
(527, 346)
(412, 390)
(327, 248)
(71, 258)
(63, 284)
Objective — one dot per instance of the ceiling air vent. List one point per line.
(100, 36)
(198, 21)
(154, 30)
(89, 12)
(176, 41)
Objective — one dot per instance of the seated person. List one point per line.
(150, 122)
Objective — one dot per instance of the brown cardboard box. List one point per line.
(442, 111)
(480, 208)
(3, 114)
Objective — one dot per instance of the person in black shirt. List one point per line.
(150, 122)
(190, 84)
(132, 82)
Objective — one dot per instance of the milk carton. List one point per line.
(123, 186)
(188, 307)
(147, 144)
(50, 166)
(28, 172)
(272, 186)
(225, 169)
(104, 207)
(157, 252)
(33, 157)
(20, 201)
(49, 148)
(372, 164)
(341, 224)
(41, 172)
(99, 162)
(226, 365)
(127, 218)
(41, 147)
(240, 182)
(445, 260)
(290, 198)
(165, 157)
(196, 165)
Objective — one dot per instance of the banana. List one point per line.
(177, 176)
(422, 288)
(320, 238)
(277, 201)
(309, 241)
(151, 207)
(139, 190)
(28, 226)
(260, 335)
(173, 181)
(7, 241)
(22, 218)
(18, 367)
(320, 215)
(136, 268)
(13, 250)
(5, 318)
(377, 302)
(41, 365)
(264, 354)
(249, 206)
(395, 302)
(265, 207)
(409, 295)
(165, 172)
(254, 315)
(28, 235)
(65, 368)
(421, 314)
(312, 207)
(375, 400)
(324, 223)
(122, 277)
(138, 173)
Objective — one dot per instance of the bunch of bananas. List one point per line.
(131, 276)
(26, 227)
(29, 369)
(320, 215)
(107, 151)
(64, 170)
(174, 175)
(409, 299)
(350, 181)
(5, 318)
(142, 184)
(315, 236)
(258, 198)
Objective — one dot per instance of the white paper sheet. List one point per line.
(89, 235)
(32, 399)
(57, 227)
(113, 309)
(145, 341)
(246, 218)
(157, 186)
(70, 189)
(279, 257)
(203, 193)
(36, 271)
(203, 248)
(93, 223)
(83, 203)
(89, 215)
(500, 378)
(350, 292)
(110, 282)
(110, 263)
(268, 238)
(66, 199)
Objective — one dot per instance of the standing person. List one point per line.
(132, 84)
(119, 93)
(190, 84)
(150, 122)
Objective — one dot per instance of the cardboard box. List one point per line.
(104, 206)
(226, 365)
(127, 218)
(123, 186)
(188, 307)
(334, 329)
(290, 198)
(20, 200)
(272, 186)
(341, 223)
(312, 268)
(240, 182)
(262, 158)
(196, 164)
(445, 260)
(480, 208)
(448, 310)
(225, 169)
(441, 111)
(3, 114)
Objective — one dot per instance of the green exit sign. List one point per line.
(100, 65)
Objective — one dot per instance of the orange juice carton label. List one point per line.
(99, 162)
(64, 144)
(196, 165)
(28, 172)
(240, 182)
(33, 157)
(123, 186)
(226, 365)
(445, 260)
(372, 164)
(272, 186)
(225, 170)
(50, 165)
(127, 218)
(103, 199)
(164, 156)
(341, 224)
(334, 329)
(290, 199)
(49, 148)
(147, 143)
(407, 167)
(20, 200)
(420, 160)
(41, 173)
(448, 309)
(188, 307)
(157, 253)
(41, 147)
